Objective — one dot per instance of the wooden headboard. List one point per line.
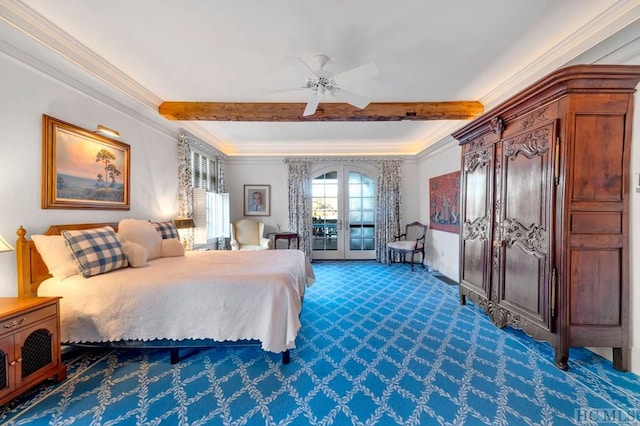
(31, 268)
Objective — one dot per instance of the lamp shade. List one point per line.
(184, 223)
(4, 245)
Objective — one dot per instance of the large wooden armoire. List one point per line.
(545, 186)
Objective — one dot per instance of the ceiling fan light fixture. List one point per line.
(321, 85)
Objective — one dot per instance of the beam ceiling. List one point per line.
(379, 111)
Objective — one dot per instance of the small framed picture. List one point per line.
(257, 200)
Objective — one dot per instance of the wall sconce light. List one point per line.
(4, 245)
(107, 131)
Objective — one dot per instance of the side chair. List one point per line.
(410, 243)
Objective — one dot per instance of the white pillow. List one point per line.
(56, 255)
(172, 248)
(136, 254)
(141, 232)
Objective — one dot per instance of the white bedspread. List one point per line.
(220, 295)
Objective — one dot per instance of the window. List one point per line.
(208, 206)
(204, 171)
(211, 216)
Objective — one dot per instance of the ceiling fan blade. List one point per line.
(307, 66)
(285, 91)
(351, 98)
(358, 73)
(312, 105)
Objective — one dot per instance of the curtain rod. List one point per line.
(199, 143)
(344, 158)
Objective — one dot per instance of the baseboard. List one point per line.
(444, 279)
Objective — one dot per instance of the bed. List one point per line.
(196, 299)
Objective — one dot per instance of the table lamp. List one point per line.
(184, 223)
(4, 245)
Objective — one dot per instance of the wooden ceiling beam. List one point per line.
(379, 111)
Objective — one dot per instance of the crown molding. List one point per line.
(24, 19)
(618, 16)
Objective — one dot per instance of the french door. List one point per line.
(343, 210)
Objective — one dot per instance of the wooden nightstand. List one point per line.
(29, 344)
(288, 236)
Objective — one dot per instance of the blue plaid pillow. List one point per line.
(167, 230)
(95, 251)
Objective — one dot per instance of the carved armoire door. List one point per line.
(523, 235)
(477, 199)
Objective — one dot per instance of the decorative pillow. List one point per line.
(172, 248)
(96, 251)
(141, 232)
(167, 230)
(56, 255)
(136, 254)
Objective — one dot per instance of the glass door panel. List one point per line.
(324, 190)
(361, 219)
(343, 215)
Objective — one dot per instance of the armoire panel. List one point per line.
(595, 287)
(521, 287)
(598, 177)
(474, 265)
(596, 223)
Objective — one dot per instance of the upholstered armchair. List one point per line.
(247, 234)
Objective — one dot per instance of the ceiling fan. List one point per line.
(321, 83)
(325, 82)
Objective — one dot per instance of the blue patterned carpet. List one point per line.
(379, 345)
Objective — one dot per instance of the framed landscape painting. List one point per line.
(83, 170)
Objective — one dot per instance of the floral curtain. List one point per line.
(388, 199)
(185, 189)
(186, 141)
(300, 203)
(388, 204)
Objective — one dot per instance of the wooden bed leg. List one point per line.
(175, 355)
(286, 357)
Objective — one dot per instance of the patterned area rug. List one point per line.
(379, 345)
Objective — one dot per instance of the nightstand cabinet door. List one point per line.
(29, 344)
(7, 382)
(36, 351)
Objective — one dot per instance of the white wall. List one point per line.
(240, 171)
(634, 240)
(442, 251)
(26, 94)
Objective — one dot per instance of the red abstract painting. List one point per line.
(444, 202)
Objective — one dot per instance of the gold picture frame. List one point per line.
(82, 169)
(257, 200)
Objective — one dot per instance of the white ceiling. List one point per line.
(140, 53)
